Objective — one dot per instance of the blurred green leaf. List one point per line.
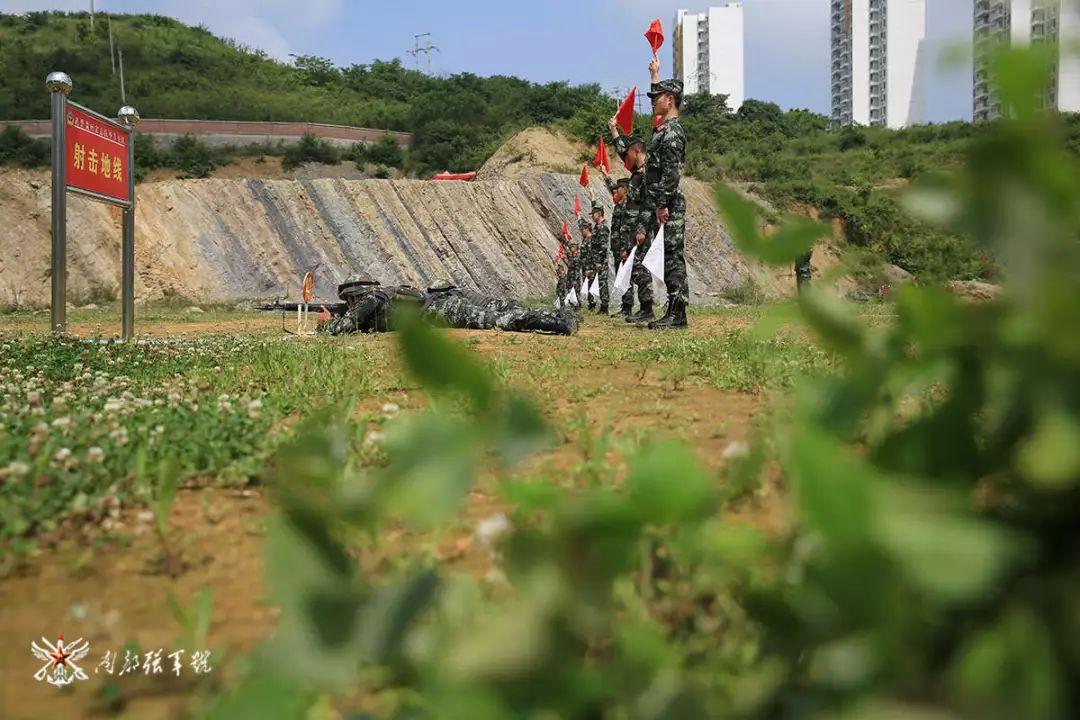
(667, 485)
(1050, 457)
(442, 365)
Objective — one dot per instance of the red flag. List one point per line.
(584, 181)
(566, 232)
(655, 36)
(601, 160)
(577, 205)
(625, 115)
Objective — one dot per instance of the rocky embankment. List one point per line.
(223, 239)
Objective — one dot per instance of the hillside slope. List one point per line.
(213, 240)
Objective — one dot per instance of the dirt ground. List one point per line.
(115, 594)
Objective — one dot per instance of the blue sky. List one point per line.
(787, 41)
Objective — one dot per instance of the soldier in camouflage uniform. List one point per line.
(620, 248)
(573, 270)
(601, 238)
(666, 204)
(631, 149)
(588, 260)
(804, 271)
(445, 304)
(562, 268)
(371, 309)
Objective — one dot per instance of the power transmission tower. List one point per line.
(417, 50)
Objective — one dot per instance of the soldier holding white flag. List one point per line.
(631, 149)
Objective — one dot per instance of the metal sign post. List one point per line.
(94, 156)
(59, 85)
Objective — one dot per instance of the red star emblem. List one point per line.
(60, 656)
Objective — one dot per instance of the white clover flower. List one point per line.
(390, 409)
(62, 455)
(62, 422)
(113, 405)
(18, 469)
(33, 398)
(374, 438)
(95, 455)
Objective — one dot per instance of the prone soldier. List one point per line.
(372, 308)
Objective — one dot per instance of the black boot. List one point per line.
(645, 314)
(604, 310)
(675, 317)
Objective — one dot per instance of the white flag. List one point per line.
(584, 289)
(594, 289)
(558, 303)
(626, 270)
(654, 259)
(571, 297)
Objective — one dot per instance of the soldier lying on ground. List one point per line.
(371, 309)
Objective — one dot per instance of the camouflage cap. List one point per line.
(356, 286)
(584, 224)
(634, 139)
(442, 284)
(622, 182)
(673, 86)
(597, 208)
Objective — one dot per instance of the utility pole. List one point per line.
(123, 95)
(417, 50)
(91, 14)
(112, 53)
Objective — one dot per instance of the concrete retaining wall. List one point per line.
(218, 133)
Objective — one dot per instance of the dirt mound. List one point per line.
(532, 151)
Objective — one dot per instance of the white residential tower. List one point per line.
(878, 59)
(1022, 23)
(708, 49)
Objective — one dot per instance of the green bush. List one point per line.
(16, 148)
(385, 152)
(310, 149)
(192, 157)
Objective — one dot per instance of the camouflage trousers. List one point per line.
(562, 289)
(605, 287)
(804, 271)
(674, 250)
(460, 311)
(640, 278)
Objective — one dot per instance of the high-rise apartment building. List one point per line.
(1022, 23)
(708, 49)
(878, 59)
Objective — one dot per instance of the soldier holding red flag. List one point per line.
(665, 202)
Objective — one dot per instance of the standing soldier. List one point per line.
(620, 244)
(631, 149)
(588, 259)
(562, 267)
(804, 271)
(665, 203)
(573, 270)
(601, 239)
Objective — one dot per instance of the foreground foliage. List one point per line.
(931, 569)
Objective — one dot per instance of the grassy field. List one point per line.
(134, 478)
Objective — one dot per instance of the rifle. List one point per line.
(338, 308)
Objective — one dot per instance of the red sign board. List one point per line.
(96, 155)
